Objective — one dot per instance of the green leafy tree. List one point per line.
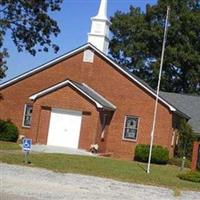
(29, 26)
(186, 139)
(137, 42)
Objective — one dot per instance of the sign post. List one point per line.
(26, 146)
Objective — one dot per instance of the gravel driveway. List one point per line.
(25, 183)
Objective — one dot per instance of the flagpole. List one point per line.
(158, 89)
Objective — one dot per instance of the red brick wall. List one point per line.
(129, 99)
(195, 155)
(43, 127)
(70, 99)
(15, 96)
(127, 96)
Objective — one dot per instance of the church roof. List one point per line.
(187, 104)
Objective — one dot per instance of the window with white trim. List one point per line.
(130, 128)
(27, 115)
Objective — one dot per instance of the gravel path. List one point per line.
(25, 183)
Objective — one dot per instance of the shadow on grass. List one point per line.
(142, 167)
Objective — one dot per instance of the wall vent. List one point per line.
(88, 56)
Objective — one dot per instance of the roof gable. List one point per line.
(84, 89)
(134, 78)
(43, 66)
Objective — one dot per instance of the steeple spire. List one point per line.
(102, 10)
(99, 34)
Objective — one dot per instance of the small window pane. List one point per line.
(27, 115)
(131, 123)
(130, 129)
(130, 133)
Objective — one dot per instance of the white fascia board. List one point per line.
(48, 90)
(39, 94)
(131, 77)
(46, 65)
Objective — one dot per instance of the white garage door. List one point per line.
(64, 128)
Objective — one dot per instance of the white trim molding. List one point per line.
(24, 115)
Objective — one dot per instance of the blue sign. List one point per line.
(27, 144)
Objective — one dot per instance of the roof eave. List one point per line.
(181, 114)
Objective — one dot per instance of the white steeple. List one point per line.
(99, 34)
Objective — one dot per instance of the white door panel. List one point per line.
(64, 128)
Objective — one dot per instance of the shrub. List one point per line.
(178, 161)
(142, 152)
(160, 155)
(193, 176)
(8, 131)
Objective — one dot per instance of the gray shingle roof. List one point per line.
(187, 104)
(94, 95)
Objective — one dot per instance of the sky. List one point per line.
(74, 22)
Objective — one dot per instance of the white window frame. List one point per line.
(23, 121)
(137, 130)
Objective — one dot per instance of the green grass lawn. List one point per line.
(9, 146)
(129, 171)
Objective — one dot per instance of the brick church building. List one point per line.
(84, 98)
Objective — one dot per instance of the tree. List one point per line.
(137, 42)
(29, 25)
(186, 139)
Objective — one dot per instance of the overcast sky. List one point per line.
(74, 22)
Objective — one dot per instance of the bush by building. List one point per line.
(160, 155)
(8, 131)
